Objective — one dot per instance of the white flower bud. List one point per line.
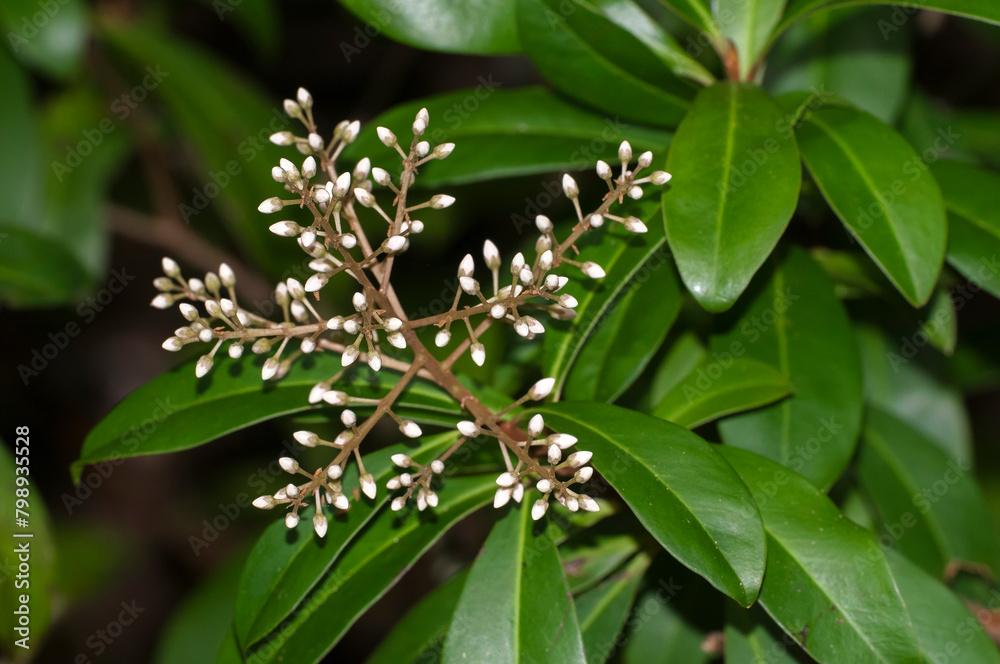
(491, 255)
(478, 354)
(288, 464)
(588, 504)
(401, 460)
(306, 438)
(348, 417)
(362, 169)
(603, 170)
(421, 150)
(521, 327)
(545, 261)
(541, 389)
(395, 244)
(173, 344)
(469, 285)
(350, 355)
(592, 270)
(437, 466)
(397, 503)
(506, 479)
(348, 241)
(270, 368)
(387, 137)
(393, 484)
(285, 228)
(410, 429)
(539, 508)
(291, 520)
(305, 99)
(432, 498)
(309, 167)
(634, 225)
(359, 301)
(419, 127)
(595, 220)
(351, 132)
(544, 486)
(578, 459)
(188, 311)
(517, 263)
(170, 267)
(584, 474)
(443, 150)
(568, 301)
(334, 472)
(526, 275)
(442, 338)
(381, 176)
(441, 201)
(295, 288)
(278, 175)
(206, 335)
(291, 490)
(645, 159)
(543, 224)
(501, 497)
(364, 197)
(341, 502)
(625, 152)
(316, 282)
(264, 502)
(543, 243)
(319, 525)
(570, 187)
(308, 345)
(498, 311)
(518, 492)
(162, 301)
(283, 138)
(374, 360)
(203, 366)
(405, 479)
(342, 186)
(396, 339)
(416, 226)
(315, 141)
(554, 454)
(571, 503)
(291, 170)
(562, 440)
(468, 429)
(368, 486)
(659, 177)
(635, 193)
(213, 308)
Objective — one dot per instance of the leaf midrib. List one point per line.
(724, 193)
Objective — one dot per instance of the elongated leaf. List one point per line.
(882, 192)
(600, 63)
(735, 185)
(752, 637)
(929, 505)
(897, 381)
(748, 25)
(200, 627)
(845, 53)
(47, 37)
(515, 606)
(811, 550)
(177, 411)
(500, 133)
(602, 610)
(685, 353)
(36, 270)
(229, 652)
(796, 324)
(284, 566)
(591, 556)
(982, 10)
(258, 20)
(680, 489)
(972, 197)
(697, 13)
(710, 392)
(390, 544)
(478, 27)
(21, 167)
(637, 268)
(945, 627)
(668, 621)
(419, 636)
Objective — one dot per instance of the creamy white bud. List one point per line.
(173, 344)
(213, 308)
(410, 429)
(478, 354)
(563, 440)
(364, 197)
(521, 327)
(396, 339)
(645, 159)
(334, 472)
(544, 485)
(206, 335)
(498, 311)
(386, 136)
(501, 497)
(634, 225)
(625, 152)
(468, 428)
(291, 170)
(659, 177)
(539, 508)
(203, 366)
(162, 301)
(264, 502)
(291, 490)
(571, 503)
(278, 175)
(320, 525)
(437, 466)
(402, 460)
(374, 360)
(270, 368)
(341, 502)
(568, 301)
(351, 326)
(368, 486)
(350, 355)
(393, 484)
(342, 186)
(517, 263)
(286, 228)
(545, 261)
(469, 285)
(362, 169)
(381, 176)
(188, 311)
(588, 504)
(443, 150)
(421, 149)
(419, 127)
(315, 141)
(432, 498)
(306, 438)
(416, 227)
(405, 479)
(397, 503)
(491, 255)
(541, 389)
(348, 417)
(584, 474)
(603, 170)
(288, 464)
(578, 459)
(351, 132)
(595, 220)
(570, 187)
(518, 492)
(282, 138)
(536, 425)
(316, 282)
(170, 267)
(543, 243)
(291, 520)
(305, 99)
(534, 325)
(348, 241)
(359, 301)
(506, 479)
(441, 201)
(442, 338)
(543, 224)
(554, 454)
(526, 275)
(592, 269)
(635, 193)
(395, 244)
(317, 392)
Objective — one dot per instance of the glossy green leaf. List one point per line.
(177, 411)
(198, 630)
(226, 120)
(882, 192)
(387, 548)
(630, 16)
(283, 566)
(36, 270)
(602, 611)
(229, 652)
(897, 381)
(50, 37)
(982, 10)
(590, 556)
(929, 505)
(710, 392)
(515, 606)
(845, 53)
(795, 323)
(37, 536)
(684, 354)
(748, 25)
(736, 179)
(21, 166)
(852, 273)
(972, 198)
(500, 133)
(679, 488)
(939, 322)
(600, 352)
(478, 27)
(811, 550)
(594, 60)
(697, 13)
(753, 638)
(419, 636)
(946, 628)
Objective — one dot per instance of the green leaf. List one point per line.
(476, 27)
(752, 638)
(283, 565)
(419, 635)
(710, 392)
(929, 505)
(21, 158)
(853, 275)
(49, 37)
(795, 323)
(736, 179)
(972, 198)
(982, 10)
(230, 653)
(501, 133)
(227, 122)
(515, 606)
(898, 382)
(811, 550)
(680, 489)
(599, 353)
(880, 189)
(258, 20)
(591, 555)
(845, 53)
(36, 270)
(37, 536)
(602, 610)
(592, 59)
(945, 627)
(748, 25)
(387, 548)
(177, 411)
(697, 13)
(685, 353)
(198, 630)
(668, 621)
(939, 322)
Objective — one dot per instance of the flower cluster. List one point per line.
(336, 242)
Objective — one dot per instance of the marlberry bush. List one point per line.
(701, 400)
